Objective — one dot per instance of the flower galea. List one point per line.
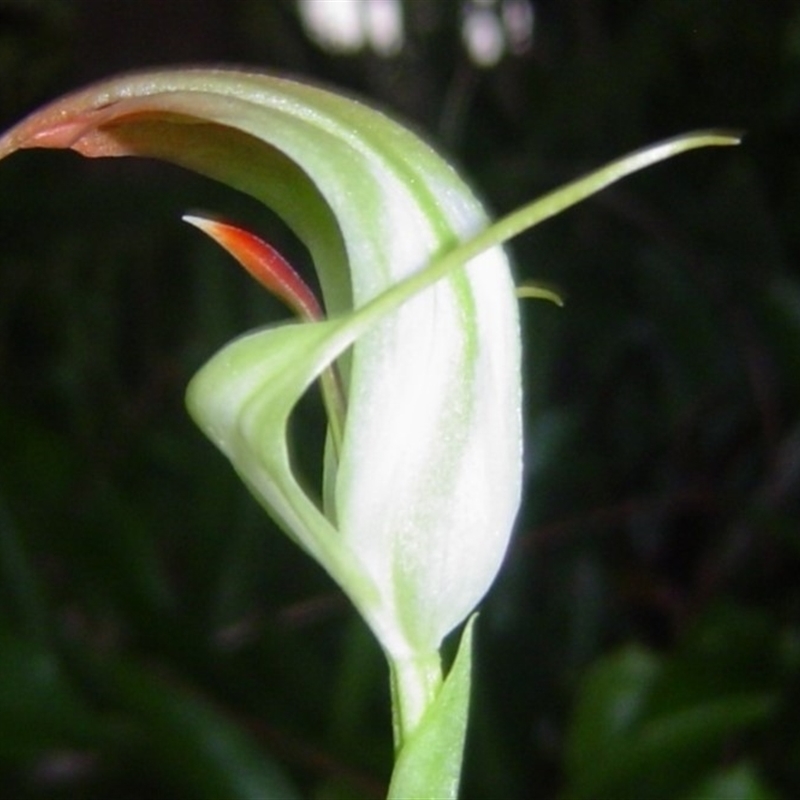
(418, 351)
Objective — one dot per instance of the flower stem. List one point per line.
(415, 683)
(430, 723)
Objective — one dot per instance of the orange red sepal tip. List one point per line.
(264, 263)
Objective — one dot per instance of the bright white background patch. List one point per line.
(490, 29)
(347, 26)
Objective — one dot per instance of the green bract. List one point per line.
(421, 492)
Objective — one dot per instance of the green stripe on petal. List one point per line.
(420, 508)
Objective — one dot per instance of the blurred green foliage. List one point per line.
(158, 637)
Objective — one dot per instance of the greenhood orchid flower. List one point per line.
(419, 353)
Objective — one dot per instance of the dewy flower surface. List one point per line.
(420, 502)
(423, 458)
(422, 498)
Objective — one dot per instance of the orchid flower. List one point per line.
(418, 351)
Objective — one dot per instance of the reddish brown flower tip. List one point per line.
(265, 264)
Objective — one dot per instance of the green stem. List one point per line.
(415, 683)
(333, 399)
(430, 723)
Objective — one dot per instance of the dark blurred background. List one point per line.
(159, 638)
